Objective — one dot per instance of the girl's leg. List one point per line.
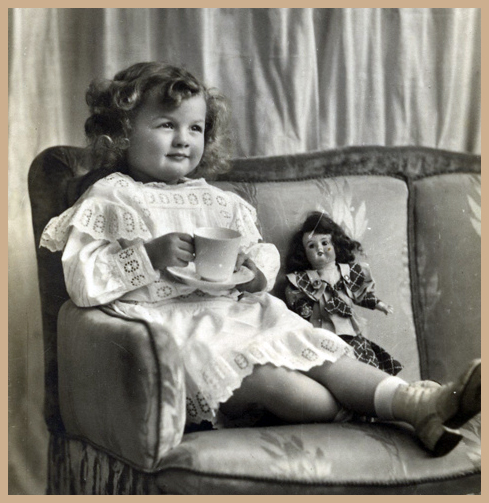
(353, 383)
(431, 409)
(290, 395)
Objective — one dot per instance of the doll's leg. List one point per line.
(290, 395)
(430, 409)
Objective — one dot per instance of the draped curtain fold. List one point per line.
(298, 80)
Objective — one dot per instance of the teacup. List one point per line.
(216, 252)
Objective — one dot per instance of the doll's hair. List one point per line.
(113, 103)
(317, 222)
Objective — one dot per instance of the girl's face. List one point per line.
(166, 144)
(319, 249)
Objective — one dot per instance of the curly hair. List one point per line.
(316, 222)
(112, 105)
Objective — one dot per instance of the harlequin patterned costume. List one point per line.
(330, 307)
(218, 336)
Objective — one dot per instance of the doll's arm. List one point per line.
(292, 294)
(385, 308)
(298, 302)
(362, 286)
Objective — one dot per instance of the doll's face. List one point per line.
(319, 249)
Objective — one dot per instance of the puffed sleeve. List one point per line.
(264, 255)
(102, 238)
(362, 286)
(107, 211)
(267, 259)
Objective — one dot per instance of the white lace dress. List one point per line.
(218, 336)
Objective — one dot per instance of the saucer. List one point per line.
(190, 277)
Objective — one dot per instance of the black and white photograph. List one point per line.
(244, 251)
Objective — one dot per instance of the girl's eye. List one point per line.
(166, 125)
(324, 243)
(199, 129)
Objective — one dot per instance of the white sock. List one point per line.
(384, 394)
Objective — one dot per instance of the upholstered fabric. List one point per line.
(349, 458)
(50, 189)
(114, 391)
(448, 262)
(417, 213)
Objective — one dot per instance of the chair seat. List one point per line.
(346, 458)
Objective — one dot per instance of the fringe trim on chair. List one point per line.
(75, 467)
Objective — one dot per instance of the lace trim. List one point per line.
(222, 383)
(106, 221)
(244, 223)
(133, 269)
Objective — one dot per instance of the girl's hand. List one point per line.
(385, 308)
(242, 257)
(173, 249)
(258, 283)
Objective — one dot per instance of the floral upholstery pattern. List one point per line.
(334, 455)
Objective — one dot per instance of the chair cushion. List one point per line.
(346, 458)
(448, 262)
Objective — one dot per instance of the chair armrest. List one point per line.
(114, 389)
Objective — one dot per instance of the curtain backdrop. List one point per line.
(298, 80)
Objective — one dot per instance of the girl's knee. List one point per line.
(289, 394)
(294, 396)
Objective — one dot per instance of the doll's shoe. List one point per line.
(431, 410)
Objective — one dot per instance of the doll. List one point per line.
(324, 282)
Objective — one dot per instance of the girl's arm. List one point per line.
(98, 271)
(264, 260)
(258, 283)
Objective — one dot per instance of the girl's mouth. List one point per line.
(177, 157)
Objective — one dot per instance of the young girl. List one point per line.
(156, 131)
(325, 280)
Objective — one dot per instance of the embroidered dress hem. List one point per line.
(220, 340)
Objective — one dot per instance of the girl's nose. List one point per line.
(180, 139)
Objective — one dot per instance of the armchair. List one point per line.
(108, 407)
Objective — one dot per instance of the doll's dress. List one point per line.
(210, 340)
(331, 306)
